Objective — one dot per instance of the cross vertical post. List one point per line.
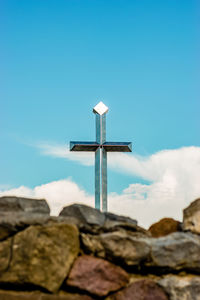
(101, 147)
(98, 164)
(104, 166)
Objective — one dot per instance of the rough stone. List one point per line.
(96, 276)
(181, 287)
(191, 217)
(124, 224)
(11, 223)
(141, 290)
(39, 255)
(118, 247)
(12, 295)
(164, 227)
(5, 254)
(91, 220)
(92, 244)
(114, 217)
(176, 251)
(18, 213)
(14, 204)
(85, 214)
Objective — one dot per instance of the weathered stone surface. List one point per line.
(11, 223)
(18, 213)
(84, 213)
(37, 251)
(117, 218)
(123, 224)
(5, 254)
(11, 295)
(141, 290)
(14, 204)
(40, 255)
(191, 217)
(176, 251)
(91, 220)
(70, 296)
(96, 276)
(117, 246)
(181, 287)
(164, 227)
(92, 244)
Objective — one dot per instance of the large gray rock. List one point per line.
(181, 287)
(117, 246)
(18, 213)
(119, 219)
(191, 217)
(39, 255)
(11, 223)
(176, 251)
(93, 221)
(85, 214)
(14, 204)
(124, 224)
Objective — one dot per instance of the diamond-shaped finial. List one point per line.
(100, 108)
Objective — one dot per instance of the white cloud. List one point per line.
(5, 187)
(174, 181)
(57, 193)
(62, 151)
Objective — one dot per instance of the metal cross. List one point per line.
(101, 147)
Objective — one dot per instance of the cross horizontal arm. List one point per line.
(83, 146)
(117, 147)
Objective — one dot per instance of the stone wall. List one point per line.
(85, 254)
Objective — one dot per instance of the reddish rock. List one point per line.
(141, 290)
(96, 276)
(164, 227)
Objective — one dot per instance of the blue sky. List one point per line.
(60, 58)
